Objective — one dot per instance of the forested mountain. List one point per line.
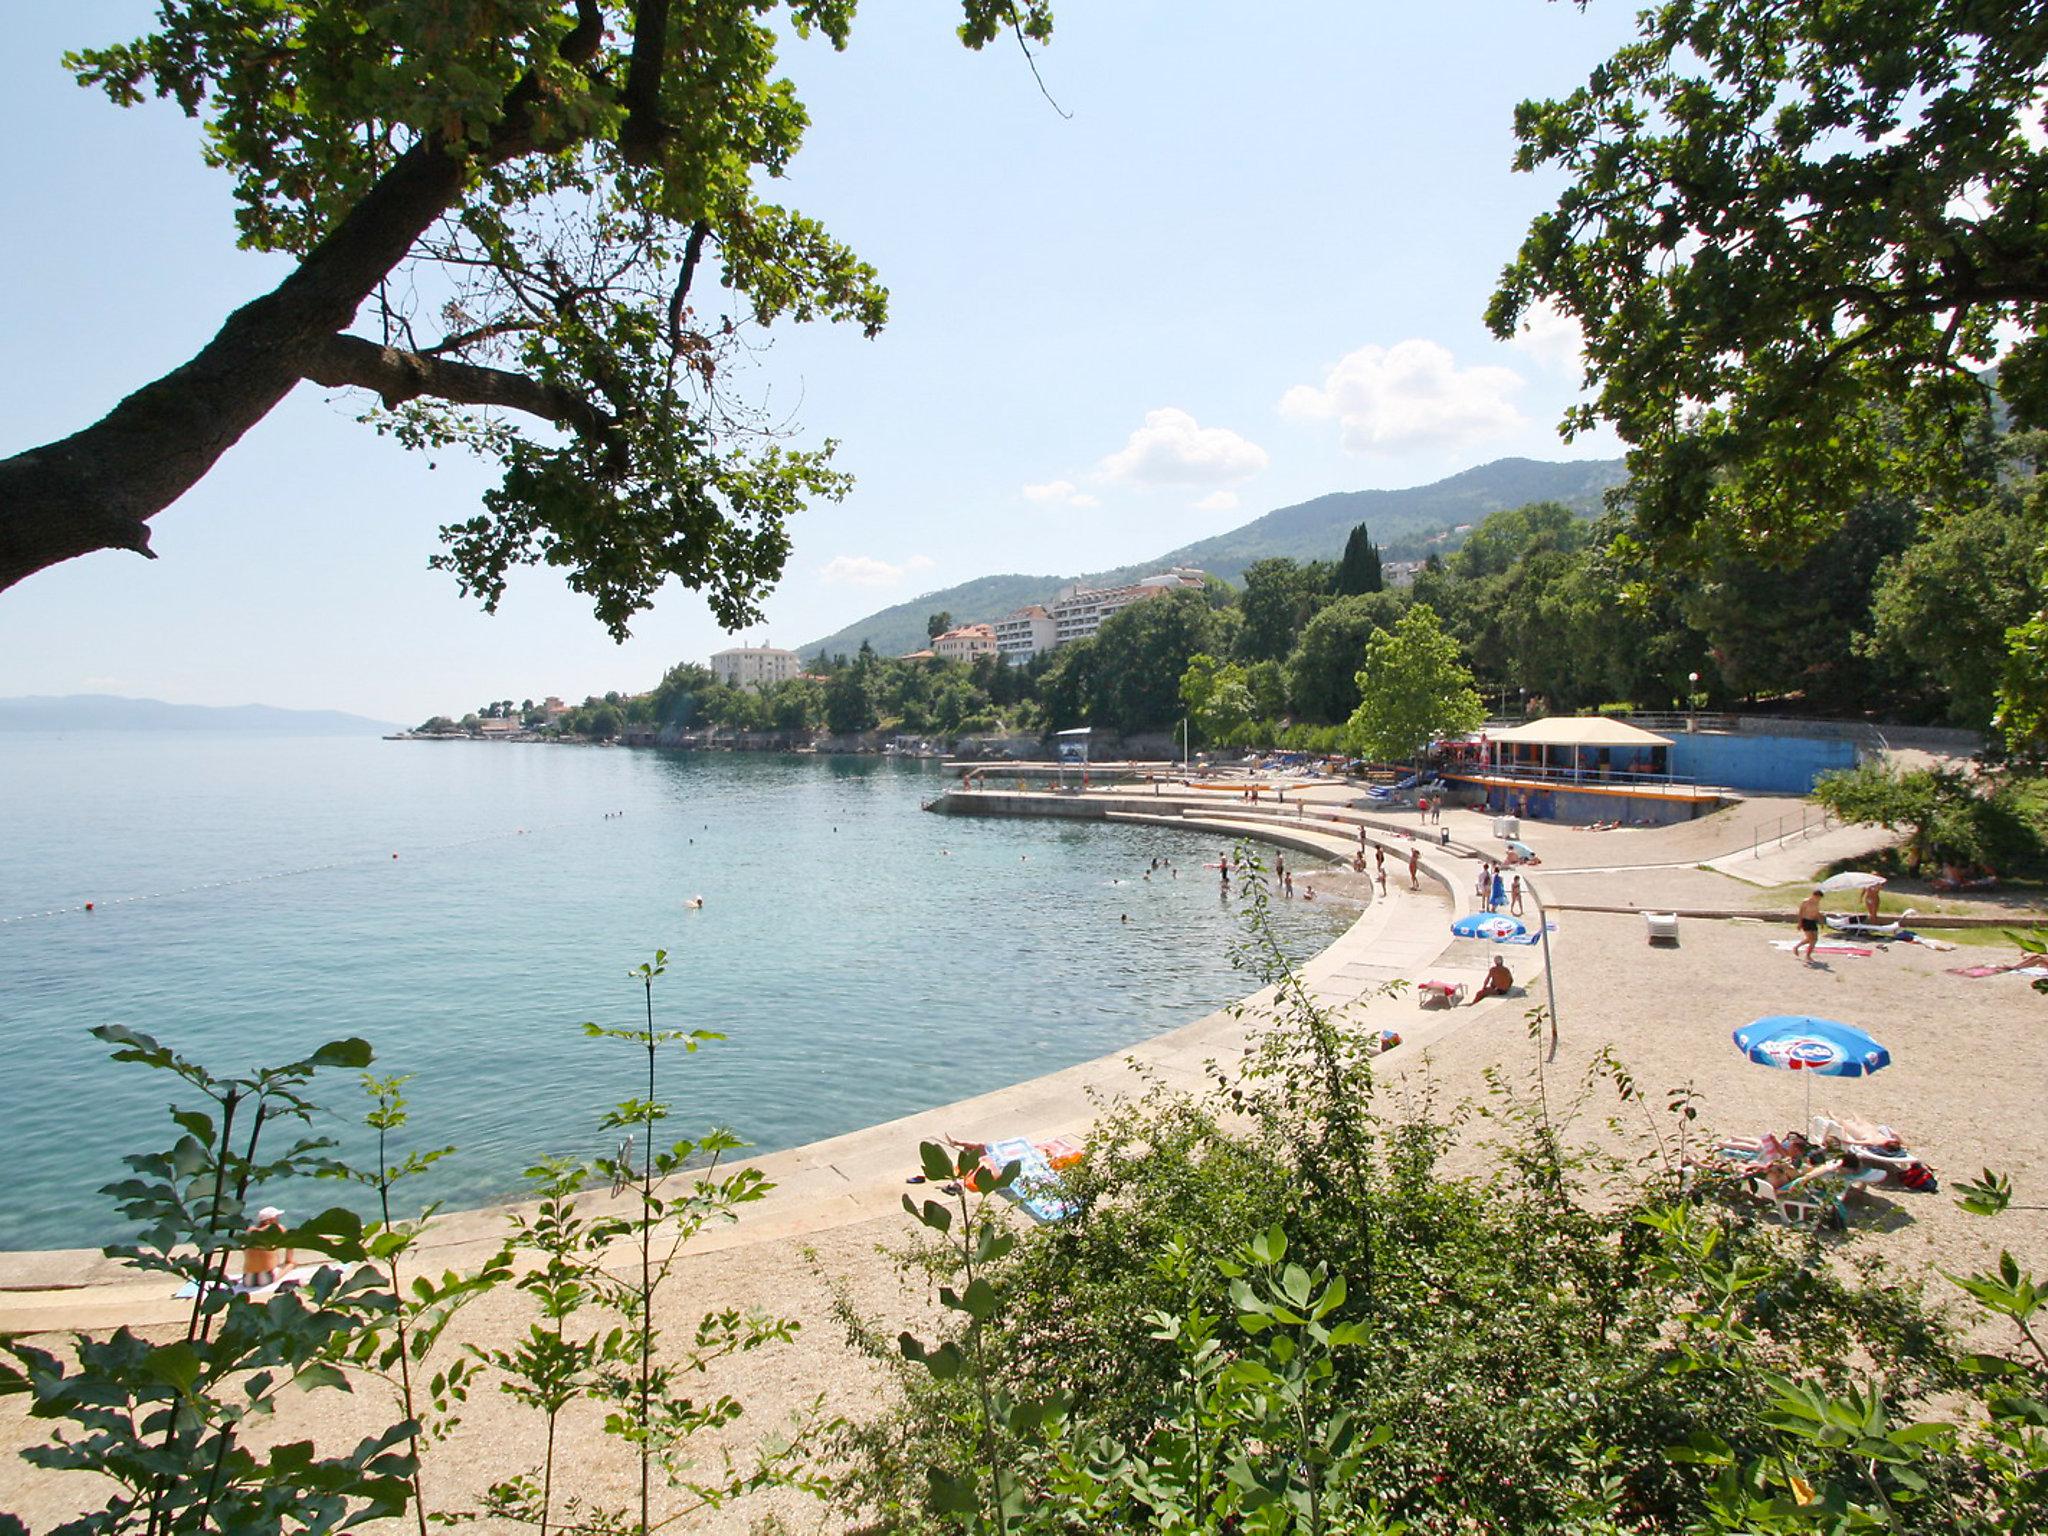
(1402, 522)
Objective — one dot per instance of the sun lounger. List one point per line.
(1439, 994)
(1877, 1146)
(1863, 928)
(1662, 927)
(1816, 1196)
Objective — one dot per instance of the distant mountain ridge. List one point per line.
(1309, 530)
(110, 712)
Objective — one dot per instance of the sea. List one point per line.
(467, 906)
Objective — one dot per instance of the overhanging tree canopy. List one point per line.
(1794, 236)
(517, 197)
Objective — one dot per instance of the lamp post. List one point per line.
(1692, 694)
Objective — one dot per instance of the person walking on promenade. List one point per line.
(1379, 865)
(1483, 886)
(1499, 893)
(1809, 926)
(1515, 897)
(1414, 859)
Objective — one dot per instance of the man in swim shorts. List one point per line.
(1498, 979)
(1809, 925)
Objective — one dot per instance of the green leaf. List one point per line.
(936, 1162)
(352, 1052)
(175, 1365)
(952, 1494)
(980, 1300)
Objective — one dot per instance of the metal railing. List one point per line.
(1568, 777)
(1818, 816)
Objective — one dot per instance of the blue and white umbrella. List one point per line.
(1488, 925)
(1793, 1042)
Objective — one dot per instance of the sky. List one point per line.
(1247, 267)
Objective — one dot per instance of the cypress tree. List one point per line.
(1359, 570)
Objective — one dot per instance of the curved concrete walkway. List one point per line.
(1404, 936)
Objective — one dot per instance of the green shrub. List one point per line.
(1519, 1351)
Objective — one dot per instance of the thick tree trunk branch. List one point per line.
(640, 137)
(98, 488)
(398, 376)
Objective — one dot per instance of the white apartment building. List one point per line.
(755, 666)
(1023, 634)
(965, 643)
(1079, 611)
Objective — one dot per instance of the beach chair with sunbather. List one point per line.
(1875, 1146)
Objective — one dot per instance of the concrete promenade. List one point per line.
(855, 1177)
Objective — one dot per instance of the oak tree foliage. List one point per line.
(537, 229)
(1795, 237)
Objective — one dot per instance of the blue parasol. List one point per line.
(1793, 1042)
(1488, 925)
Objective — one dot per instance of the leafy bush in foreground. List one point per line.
(1277, 1309)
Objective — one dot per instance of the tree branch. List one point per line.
(398, 376)
(693, 252)
(97, 488)
(641, 135)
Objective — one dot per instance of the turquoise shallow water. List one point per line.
(863, 958)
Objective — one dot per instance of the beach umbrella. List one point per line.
(1795, 1042)
(1488, 925)
(1851, 880)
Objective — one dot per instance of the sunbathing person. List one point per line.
(263, 1262)
(1498, 980)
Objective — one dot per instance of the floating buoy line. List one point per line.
(78, 909)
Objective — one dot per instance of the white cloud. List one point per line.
(1218, 501)
(1063, 493)
(867, 571)
(1412, 393)
(1550, 336)
(1171, 448)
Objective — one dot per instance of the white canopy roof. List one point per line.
(1579, 731)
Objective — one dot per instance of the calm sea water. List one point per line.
(864, 959)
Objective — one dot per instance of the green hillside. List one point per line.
(1403, 523)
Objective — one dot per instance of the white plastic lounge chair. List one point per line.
(1877, 1145)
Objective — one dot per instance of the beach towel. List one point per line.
(291, 1279)
(1976, 970)
(1036, 1190)
(1825, 949)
